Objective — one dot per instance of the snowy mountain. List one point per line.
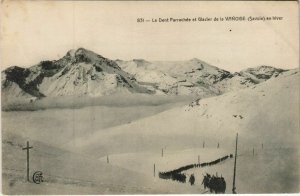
(79, 72)
(195, 76)
(84, 73)
(248, 77)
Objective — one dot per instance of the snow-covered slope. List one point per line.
(72, 173)
(267, 112)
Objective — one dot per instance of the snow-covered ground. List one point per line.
(269, 170)
(72, 152)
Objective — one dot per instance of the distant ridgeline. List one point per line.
(85, 73)
(178, 176)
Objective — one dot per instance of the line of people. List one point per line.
(169, 174)
(174, 176)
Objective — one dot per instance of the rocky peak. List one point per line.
(140, 62)
(263, 72)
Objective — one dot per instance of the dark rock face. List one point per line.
(19, 75)
(221, 76)
(263, 72)
(16, 74)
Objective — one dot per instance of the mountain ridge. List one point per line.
(82, 72)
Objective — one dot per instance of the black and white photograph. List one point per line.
(149, 97)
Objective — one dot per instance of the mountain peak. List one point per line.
(195, 60)
(140, 62)
(84, 51)
(83, 54)
(71, 53)
(262, 72)
(264, 69)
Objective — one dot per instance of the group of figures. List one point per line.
(179, 177)
(177, 174)
(214, 183)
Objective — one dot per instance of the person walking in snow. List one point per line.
(192, 179)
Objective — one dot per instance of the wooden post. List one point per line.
(27, 149)
(234, 169)
(154, 170)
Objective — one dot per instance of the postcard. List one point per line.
(149, 97)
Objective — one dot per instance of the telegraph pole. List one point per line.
(234, 170)
(27, 149)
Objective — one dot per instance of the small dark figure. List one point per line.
(206, 180)
(192, 179)
(212, 184)
(223, 185)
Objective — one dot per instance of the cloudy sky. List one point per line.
(34, 31)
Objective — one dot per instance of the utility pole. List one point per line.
(234, 170)
(162, 152)
(27, 149)
(154, 170)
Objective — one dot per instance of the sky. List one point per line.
(32, 31)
